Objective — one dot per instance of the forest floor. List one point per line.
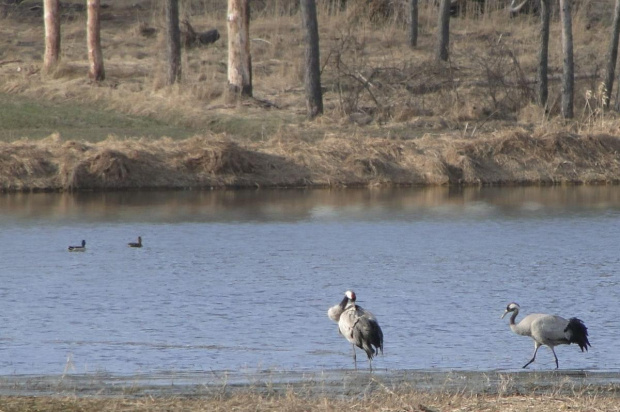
(393, 115)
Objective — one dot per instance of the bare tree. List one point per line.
(312, 75)
(413, 23)
(173, 41)
(568, 75)
(543, 52)
(612, 56)
(93, 39)
(239, 58)
(443, 31)
(51, 21)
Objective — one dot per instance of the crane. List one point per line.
(358, 326)
(549, 330)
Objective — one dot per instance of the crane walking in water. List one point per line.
(549, 330)
(358, 326)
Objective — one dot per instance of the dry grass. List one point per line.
(514, 157)
(393, 115)
(387, 401)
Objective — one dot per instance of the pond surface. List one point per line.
(241, 281)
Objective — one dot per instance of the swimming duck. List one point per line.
(134, 244)
(78, 248)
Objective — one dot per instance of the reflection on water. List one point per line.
(293, 205)
(241, 280)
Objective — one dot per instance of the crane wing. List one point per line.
(549, 330)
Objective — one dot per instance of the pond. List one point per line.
(241, 280)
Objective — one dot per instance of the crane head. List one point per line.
(512, 307)
(350, 295)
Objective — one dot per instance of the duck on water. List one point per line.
(78, 248)
(136, 244)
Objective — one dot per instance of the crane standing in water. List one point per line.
(358, 326)
(549, 330)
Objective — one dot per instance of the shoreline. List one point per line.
(512, 158)
(326, 383)
(419, 391)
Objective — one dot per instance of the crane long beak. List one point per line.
(505, 312)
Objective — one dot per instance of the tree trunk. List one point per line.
(413, 23)
(173, 41)
(93, 39)
(543, 52)
(51, 21)
(239, 58)
(312, 75)
(443, 31)
(612, 56)
(568, 75)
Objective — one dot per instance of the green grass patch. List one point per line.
(24, 117)
(251, 126)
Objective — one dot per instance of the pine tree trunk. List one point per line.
(312, 75)
(51, 20)
(173, 42)
(443, 31)
(239, 58)
(93, 39)
(568, 75)
(612, 56)
(543, 52)
(413, 23)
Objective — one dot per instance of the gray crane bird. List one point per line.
(358, 326)
(549, 330)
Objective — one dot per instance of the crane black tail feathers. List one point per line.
(577, 333)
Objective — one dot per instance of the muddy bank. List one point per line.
(428, 391)
(508, 158)
(327, 383)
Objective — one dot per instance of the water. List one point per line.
(241, 281)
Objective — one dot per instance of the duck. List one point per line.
(78, 248)
(134, 244)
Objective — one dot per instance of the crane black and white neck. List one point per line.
(548, 330)
(358, 326)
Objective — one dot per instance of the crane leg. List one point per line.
(536, 346)
(557, 364)
(354, 358)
